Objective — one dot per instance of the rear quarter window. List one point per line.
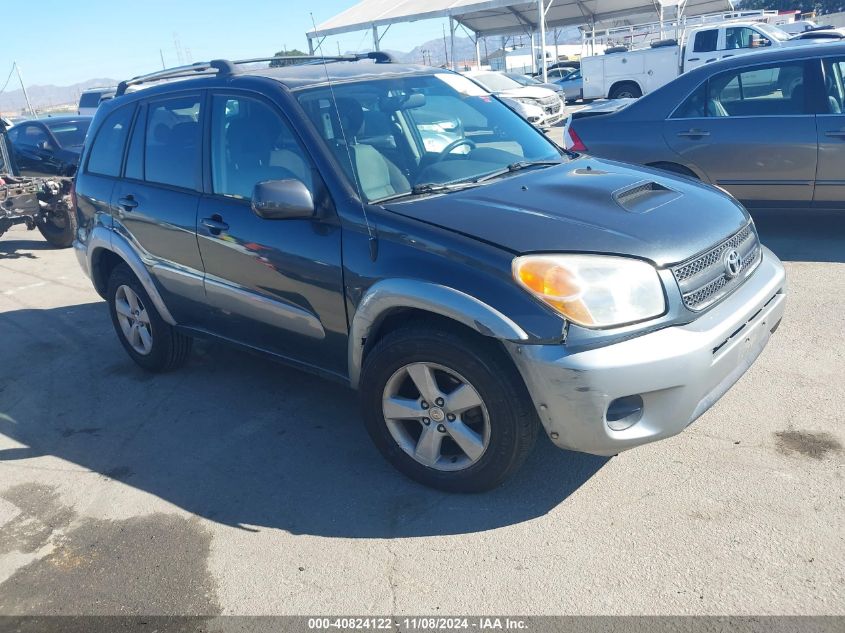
(106, 153)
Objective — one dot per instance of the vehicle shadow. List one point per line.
(11, 248)
(802, 235)
(235, 438)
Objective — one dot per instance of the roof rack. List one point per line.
(224, 67)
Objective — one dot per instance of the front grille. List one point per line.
(704, 279)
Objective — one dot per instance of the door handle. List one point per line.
(215, 224)
(694, 133)
(693, 59)
(127, 203)
(836, 133)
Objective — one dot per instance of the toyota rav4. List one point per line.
(400, 230)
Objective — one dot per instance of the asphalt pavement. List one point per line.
(239, 486)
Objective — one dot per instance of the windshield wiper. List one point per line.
(517, 166)
(427, 188)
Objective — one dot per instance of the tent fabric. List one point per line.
(502, 17)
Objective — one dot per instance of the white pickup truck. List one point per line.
(622, 73)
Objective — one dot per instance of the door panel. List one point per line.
(830, 177)
(748, 134)
(156, 205)
(273, 284)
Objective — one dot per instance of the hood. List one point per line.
(588, 205)
(527, 92)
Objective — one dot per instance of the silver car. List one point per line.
(768, 127)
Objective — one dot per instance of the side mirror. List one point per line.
(282, 200)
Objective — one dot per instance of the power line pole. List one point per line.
(161, 54)
(25, 95)
(445, 48)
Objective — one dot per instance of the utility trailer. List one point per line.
(39, 203)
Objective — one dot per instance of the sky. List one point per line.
(68, 42)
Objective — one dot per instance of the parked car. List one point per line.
(622, 73)
(37, 203)
(551, 106)
(471, 298)
(560, 69)
(49, 147)
(525, 80)
(572, 85)
(91, 98)
(769, 127)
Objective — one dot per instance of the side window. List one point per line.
(29, 136)
(251, 143)
(706, 41)
(834, 83)
(173, 142)
(775, 90)
(744, 37)
(107, 150)
(694, 106)
(135, 157)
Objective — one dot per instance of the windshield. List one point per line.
(774, 32)
(495, 82)
(69, 133)
(394, 135)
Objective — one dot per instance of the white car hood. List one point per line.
(527, 92)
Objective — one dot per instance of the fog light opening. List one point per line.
(623, 413)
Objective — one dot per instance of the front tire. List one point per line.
(446, 409)
(151, 342)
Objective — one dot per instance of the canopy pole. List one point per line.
(310, 46)
(533, 55)
(452, 42)
(541, 9)
(477, 52)
(375, 38)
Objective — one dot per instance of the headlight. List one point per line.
(593, 290)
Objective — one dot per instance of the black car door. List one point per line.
(156, 201)
(34, 150)
(272, 284)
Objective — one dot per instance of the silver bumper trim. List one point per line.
(679, 372)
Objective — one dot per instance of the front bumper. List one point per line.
(679, 372)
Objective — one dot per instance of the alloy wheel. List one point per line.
(436, 416)
(134, 320)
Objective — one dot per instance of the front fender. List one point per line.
(388, 294)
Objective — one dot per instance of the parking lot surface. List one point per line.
(238, 486)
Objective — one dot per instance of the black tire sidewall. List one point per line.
(504, 402)
(56, 236)
(157, 359)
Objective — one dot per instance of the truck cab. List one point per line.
(622, 73)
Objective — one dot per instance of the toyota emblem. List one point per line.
(733, 263)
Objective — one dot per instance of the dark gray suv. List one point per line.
(400, 230)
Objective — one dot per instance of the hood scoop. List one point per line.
(643, 197)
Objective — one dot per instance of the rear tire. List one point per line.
(625, 90)
(59, 228)
(151, 342)
(482, 434)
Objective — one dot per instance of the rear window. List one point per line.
(71, 133)
(706, 41)
(107, 151)
(90, 99)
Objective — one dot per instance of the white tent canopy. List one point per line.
(503, 17)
